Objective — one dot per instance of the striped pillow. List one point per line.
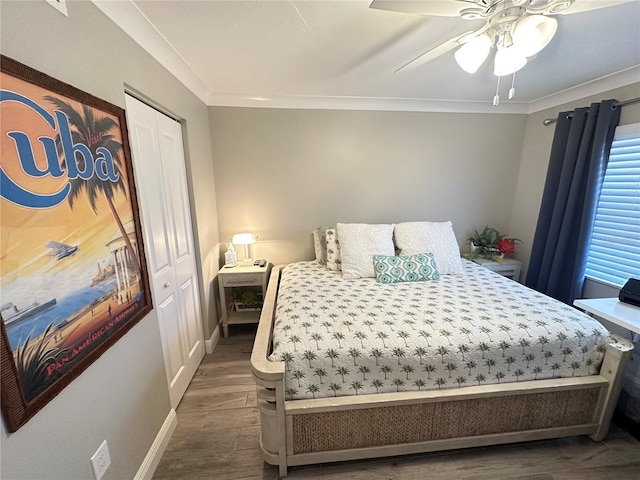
(414, 268)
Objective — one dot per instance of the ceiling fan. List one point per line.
(519, 29)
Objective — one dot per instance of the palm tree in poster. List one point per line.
(32, 361)
(94, 133)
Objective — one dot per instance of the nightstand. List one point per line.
(510, 267)
(234, 282)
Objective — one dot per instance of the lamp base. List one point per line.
(247, 262)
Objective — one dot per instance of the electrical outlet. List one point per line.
(101, 460)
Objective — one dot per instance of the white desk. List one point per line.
(611, 309)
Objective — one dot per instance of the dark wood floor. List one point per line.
(218, 429)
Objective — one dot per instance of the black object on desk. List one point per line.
(630, 292)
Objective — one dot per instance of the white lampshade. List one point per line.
(244, 238)
(473, 53)
(508, 60)
(533, 32)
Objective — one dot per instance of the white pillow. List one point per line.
(438, 238)
(333, 250)
(359, 242)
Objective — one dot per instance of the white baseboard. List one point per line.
(210, 344)
(152, 459)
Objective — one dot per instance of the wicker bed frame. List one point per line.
(300, 432)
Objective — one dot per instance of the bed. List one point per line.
(349, 368)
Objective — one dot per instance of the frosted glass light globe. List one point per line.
(473, 53)
(508, 60)
(534, 32)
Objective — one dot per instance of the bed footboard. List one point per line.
(269, 378)
(612, 369)
(301, 432)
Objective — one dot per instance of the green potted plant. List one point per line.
(491, 244)
(247, 300)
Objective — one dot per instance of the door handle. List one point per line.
(167, 285)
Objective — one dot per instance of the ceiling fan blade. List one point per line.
(579, 6)
(437, 8)
(453, 8)
(437, 51)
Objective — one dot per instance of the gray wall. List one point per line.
(282, 173)
(123, 396)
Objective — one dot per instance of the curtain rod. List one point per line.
(549, 121)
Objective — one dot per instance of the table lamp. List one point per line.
(245, 239)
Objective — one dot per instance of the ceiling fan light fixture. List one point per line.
(534, 32)
(473, 53)
(508, 61)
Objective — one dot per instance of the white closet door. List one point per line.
(172, 153)
(158, 156)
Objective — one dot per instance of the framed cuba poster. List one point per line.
(73, 276)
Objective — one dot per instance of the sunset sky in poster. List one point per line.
(25, 266)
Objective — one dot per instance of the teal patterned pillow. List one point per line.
(414, 268)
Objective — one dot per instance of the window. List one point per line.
(614, 253)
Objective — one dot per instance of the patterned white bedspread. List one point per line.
(352, 337)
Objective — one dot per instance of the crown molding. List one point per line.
(609, 82)
(366, 103)
(126, 15)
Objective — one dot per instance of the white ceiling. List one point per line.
(342, 54)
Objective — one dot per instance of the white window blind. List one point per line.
(614, 253)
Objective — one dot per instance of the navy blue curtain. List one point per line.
(579, 157)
